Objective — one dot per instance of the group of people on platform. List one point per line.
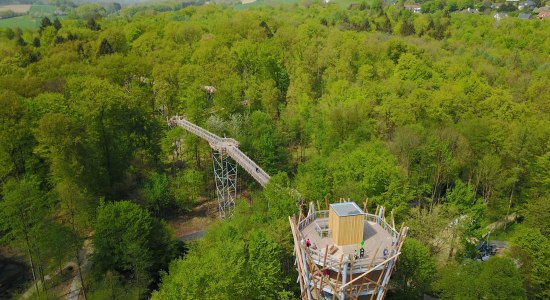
(361, 251)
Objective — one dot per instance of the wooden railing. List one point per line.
(383, 223)
(323, 214)
(365, 288)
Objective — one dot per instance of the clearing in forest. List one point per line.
(203, 214)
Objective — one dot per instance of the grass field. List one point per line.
(260, 3)
(23, 22)
(44, 9)
(32, 19)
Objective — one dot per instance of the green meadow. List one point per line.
(32, 19)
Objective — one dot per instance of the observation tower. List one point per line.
(345, 252)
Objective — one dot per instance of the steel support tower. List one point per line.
(225, 176)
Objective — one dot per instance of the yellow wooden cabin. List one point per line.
(346, 221)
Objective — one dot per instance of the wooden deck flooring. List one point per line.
(376, 240)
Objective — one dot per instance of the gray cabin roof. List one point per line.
(346, 209)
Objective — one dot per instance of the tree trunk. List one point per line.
(509, 205)
(106, 150)
(40, 269)
(197, 157)
(78, 263)
(113, 296)
(453, 236)
(32, 262)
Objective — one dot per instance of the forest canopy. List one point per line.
(442, 117)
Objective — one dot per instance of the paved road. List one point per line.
(192, 236)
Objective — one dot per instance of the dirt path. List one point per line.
(197, 221)
(76, 285)
(29, 292)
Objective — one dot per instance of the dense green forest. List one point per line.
(444, 118)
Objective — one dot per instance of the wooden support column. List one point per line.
(304, 281)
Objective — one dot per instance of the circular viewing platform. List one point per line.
(345, 253)
(377, 236)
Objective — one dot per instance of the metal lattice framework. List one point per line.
(225, 157)
(225, 177)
